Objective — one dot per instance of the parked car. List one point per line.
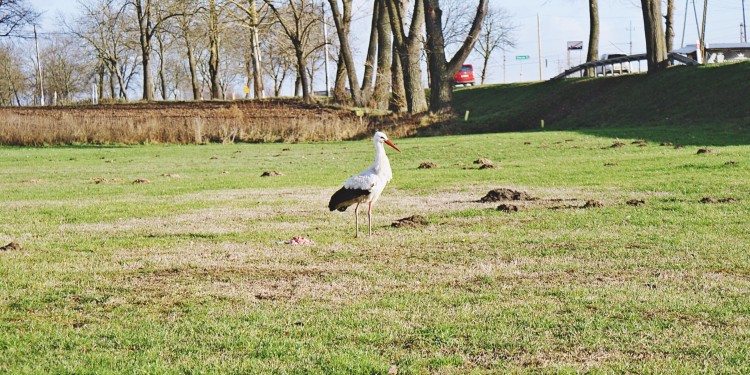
(614, 68)
(465, 76)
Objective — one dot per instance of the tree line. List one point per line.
(202, 49)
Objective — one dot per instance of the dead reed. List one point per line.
(177, 123)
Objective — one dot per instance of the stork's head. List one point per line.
(381, 138)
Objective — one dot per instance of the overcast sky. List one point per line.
(560, 21)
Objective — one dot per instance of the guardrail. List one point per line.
(619, 60)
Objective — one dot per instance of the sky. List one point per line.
(560, 21)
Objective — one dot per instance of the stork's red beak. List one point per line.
(389, 143)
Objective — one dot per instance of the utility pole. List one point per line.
(539, 43)
(744, 22)
(39, 65)
(630, 33)
(325, 47)
(504, 81)
(684, 23)
(703, 30)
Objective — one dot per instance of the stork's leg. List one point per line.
(369, 219)
(356, 220)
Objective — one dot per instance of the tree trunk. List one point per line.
(593, 50)
(669, 25)
(144, 28)
(409, 49)
(193, 70)
(656, 48)
(442, 71)
(383, 78)
(371, 53)
(162, 78)
(346, 52)
(398, 102)
(255, 55)
(112, 84)
(302, 76)
(100, 83)
(483, 74)
(214, 59)
(340, 95)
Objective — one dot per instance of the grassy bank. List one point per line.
(686, 97)
(185, 272)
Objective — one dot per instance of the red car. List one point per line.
(465, 76)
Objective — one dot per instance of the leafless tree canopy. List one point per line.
(14, 15)
(118, 50)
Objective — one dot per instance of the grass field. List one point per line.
(186, 273)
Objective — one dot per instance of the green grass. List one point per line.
(681, 97)
(185, 274)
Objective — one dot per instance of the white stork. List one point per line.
(366, 186)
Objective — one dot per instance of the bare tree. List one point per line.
(656, 47)
(150, 15)
(442, 71)
(12, 80)
(280, 61)
(214, 47)
(14, 15)
(497, 32)
(186, 31)
(297, 19)
(103, 25)
(66, 72)
(254, 20)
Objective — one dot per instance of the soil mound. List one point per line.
(592, 204)
(508, 208)
(636, 202)
(499, 195)
(413, 221)
(11, 246)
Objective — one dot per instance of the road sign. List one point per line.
(576, 44)
(522, 57)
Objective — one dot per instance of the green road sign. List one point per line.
(522, 57)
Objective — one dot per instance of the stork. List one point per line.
(367, 186)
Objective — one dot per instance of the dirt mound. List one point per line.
(721, 200)
(414, 221)
(499, 195)
(508, 208)
(485, 163)
(666, 144)
(636, 202)
(11, 246)
(271, 174)
(592, 204)
(102, 180)
(706, 151)
(427, 165)
(141, 181)
(617, 145)
(640, 143)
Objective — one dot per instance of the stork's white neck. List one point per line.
(382, 165)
